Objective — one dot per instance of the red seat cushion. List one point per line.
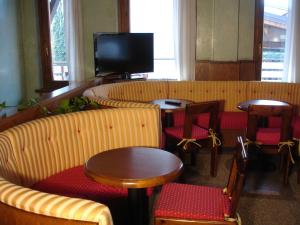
(296, 127)
(202, 119)
(233, 120)
(177, 132)
(268, 136)
(192, 202)
(73, 183)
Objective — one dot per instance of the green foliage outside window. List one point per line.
(58, 35)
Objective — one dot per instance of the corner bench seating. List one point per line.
(232, 120)
(47, 155)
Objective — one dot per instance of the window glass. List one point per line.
(157, 16)
(58, 45)
(274, 34)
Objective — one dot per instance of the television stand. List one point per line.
(125, 76)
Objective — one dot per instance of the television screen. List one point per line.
(123, 52)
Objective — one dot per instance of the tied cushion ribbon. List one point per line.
(215, 140)
(289, 144)
(249, 142)
(186, 141)
(237, 219)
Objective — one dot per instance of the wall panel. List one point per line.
(204, 50)
(225, 30)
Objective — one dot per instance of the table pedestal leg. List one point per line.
(168, 119)
(138, 206)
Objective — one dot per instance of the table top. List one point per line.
(133, 167)
(170, 105)
(244, 105)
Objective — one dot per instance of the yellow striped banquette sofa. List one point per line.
(39, 149)
(232, 120)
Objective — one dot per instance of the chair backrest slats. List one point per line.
(256, 112)
(194, 109)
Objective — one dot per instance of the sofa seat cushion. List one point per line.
(268, 136)
(192, 202)
(198, 133)
(233, 120)
(74, 183)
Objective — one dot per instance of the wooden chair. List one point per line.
(180, 204)
(271, 140)
(193, 135)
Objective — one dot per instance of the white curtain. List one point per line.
(185, 37)
(292, 47)
(74, 39)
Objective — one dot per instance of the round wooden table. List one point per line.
(135, 168)
(244, 105)
(168, 106)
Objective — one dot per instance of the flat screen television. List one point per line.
(123, 53)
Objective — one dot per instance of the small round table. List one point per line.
(244, 105)
(168, 106)
(135, 168)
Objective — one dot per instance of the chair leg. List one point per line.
(286, 168)
(214, 161)
(193, 157)
(298, 172)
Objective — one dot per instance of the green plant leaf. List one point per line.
(2, 105)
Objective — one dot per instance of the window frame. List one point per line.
(48, 82)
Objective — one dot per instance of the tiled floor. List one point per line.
(265, 200)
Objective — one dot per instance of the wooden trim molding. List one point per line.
(49, 100)
(258, 37)
(124, 15)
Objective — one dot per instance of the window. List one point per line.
(45, 7)
(274, 35)
(58, 45)
(157, 17)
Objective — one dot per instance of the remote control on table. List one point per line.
(173, 103)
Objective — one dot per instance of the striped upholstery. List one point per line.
(289, 92)
(233, 92)
(38, 149)
(53, 205)
(121, 104)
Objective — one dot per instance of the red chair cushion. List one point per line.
(268, 136)
(233, 120)
(193, 202)
(177, 132)
(73, 183)
(202, 119)
(296, 127)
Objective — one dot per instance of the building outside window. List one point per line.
(274, 37)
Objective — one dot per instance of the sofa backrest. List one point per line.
(232, 92)
(131, 91)
(35, 150)
(288, 92)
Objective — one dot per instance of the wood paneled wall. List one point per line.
(213, 70)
